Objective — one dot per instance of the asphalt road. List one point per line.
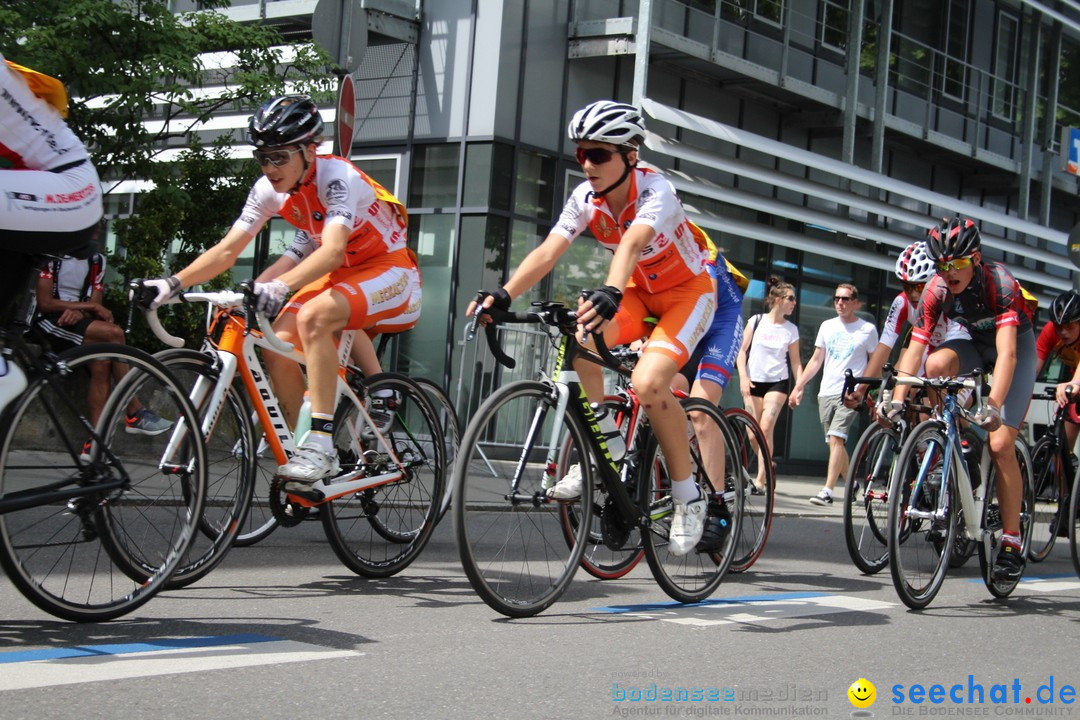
(283, 630)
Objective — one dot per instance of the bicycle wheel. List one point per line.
(1072, 520)
(451, 429)
(992, 527)
(696, 575)
(745, 465)
(866, 498)
(377, 532)
(922, 526)
(509, 534)
(230, 454)
(610, 557)
(91, 534)
(1051, 497)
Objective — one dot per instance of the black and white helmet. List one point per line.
(954, 238)
(610, 122)
(1066, 308)
(285, 120)
(914, 264)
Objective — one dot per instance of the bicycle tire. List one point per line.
(612, 559)
(992, 527)
(259, 521)
(1073, 521)
(695, 576)
(230, 451)
(866, 498)
(451, 428)
(509, 535)
(758, 505)
(378, 532)
(94, 556)
(1051, 494)
(919, 548)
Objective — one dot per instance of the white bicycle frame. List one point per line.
(211, 395)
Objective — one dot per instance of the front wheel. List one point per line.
(922, 518)
(379, 531)
(510, 535)
(992, 522)
(696, 575)
(866, 498)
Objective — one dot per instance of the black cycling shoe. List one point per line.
(1009, 565)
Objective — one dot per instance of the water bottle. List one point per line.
(12, 381)
(303, 421)
(615, 443)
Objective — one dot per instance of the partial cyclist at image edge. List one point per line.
(349, 267)
(658, 269)
(983, 297)
(1062, 336)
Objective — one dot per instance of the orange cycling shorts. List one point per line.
(685, 313)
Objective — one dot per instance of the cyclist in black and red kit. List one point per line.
(983, 297)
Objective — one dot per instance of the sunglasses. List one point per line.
(596, 155)
(913, 287)
(277, 158)
(790, 297)
(843, 298)
(955, 264)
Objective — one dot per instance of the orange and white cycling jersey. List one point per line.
(671, 258)
(337, 192)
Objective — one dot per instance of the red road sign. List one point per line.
(346, 117)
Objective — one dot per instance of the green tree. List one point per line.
(142, 82)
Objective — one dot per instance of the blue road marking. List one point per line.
(19, 656)
(653, 607)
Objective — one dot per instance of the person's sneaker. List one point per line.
(308, 465)
(822, 498)
(1009, 565)
(688, 525)
(569, 488)
(146, 422)
(382, 412)
(717, 526)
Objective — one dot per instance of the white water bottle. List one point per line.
(12, 381)
(303, 421)
(616, 445)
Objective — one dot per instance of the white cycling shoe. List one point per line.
(310, 464)
(688, 525)
(569, 488)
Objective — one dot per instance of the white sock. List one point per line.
(685, 491)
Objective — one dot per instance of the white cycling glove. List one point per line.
(270, 297)
(987, 417)
(891, 410)
(165, 288)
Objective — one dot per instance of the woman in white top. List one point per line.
(770, 343)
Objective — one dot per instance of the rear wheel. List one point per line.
(1051, 498)
(866, 498)
(378, 532)
(751, 458)
(451, 429)
(992, 523)
(696, 575)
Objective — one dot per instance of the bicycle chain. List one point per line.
(287, 513)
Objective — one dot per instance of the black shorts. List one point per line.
(64, 338)
(761, 389)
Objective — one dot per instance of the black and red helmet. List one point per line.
(954, 238)
(285, 120)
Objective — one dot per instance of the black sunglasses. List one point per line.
(597, 155)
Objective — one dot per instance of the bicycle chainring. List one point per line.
(286, 512)
(613, 531)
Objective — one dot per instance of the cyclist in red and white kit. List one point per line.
(349, 266)
(1061, 336)
(986, 300)
(49, 189)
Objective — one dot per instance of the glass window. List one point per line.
(834, 23)
(381, 169)
(422, 350)
(956, 32)
(534, 192)
(770, 10)
(1005, 65)
(434, 176)
(488, 178)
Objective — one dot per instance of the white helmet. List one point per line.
(608, 121)
(914, 264)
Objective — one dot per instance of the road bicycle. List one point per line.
(1054, 467)
(931, 486)
(94, 516)
(748, 451)
(512, 537)
(379, 510)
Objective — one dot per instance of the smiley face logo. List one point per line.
(862, 693)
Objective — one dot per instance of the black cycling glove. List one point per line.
(500, 299)
(605, 300)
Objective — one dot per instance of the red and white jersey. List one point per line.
(337, 192)
(674, 254)
(33, 136)
(902, 312)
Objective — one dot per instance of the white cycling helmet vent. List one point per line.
(914, 264)
(608, 121)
